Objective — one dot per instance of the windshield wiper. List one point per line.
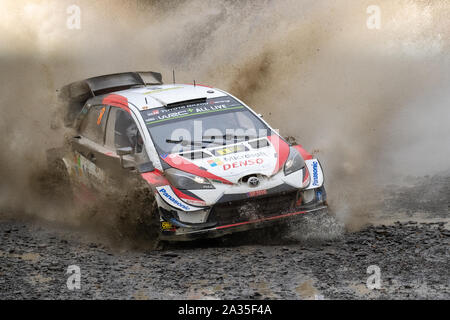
(230, 137)
(184, 142)
(211, 139)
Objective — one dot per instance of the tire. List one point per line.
(139, 217)
(154, 223)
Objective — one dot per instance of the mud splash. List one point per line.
(355, 97)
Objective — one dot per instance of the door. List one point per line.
(89, 152)
(102, 132)
(122, 132)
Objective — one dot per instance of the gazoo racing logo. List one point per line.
(164, 193)
(315, 173)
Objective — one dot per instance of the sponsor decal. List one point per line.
(242, 163)
(319, 195)
(220, 101)
(191, 112)
(253, 181)
(215, 162)
(166, 225)
(187, 166)
(102, 112)
(229, 150)
(158, 115)
(232, 158)
(257, 193)
(315, 174)
(164, 193)
(85, 168)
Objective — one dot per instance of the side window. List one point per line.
(93, 125)
(122, 131)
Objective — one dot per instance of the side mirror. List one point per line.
(124, 151)
(260, 115)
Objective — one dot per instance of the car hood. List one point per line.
(229, 164)
(234, 166)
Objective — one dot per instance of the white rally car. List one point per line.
(213, 165)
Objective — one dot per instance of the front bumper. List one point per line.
(222, 230)
(225, 220)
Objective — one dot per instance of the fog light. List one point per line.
(308, 196)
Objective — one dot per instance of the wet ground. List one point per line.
(319, 260)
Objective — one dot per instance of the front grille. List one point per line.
(252, 209)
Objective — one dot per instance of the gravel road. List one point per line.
(319, 261)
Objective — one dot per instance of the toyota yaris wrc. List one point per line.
(213, 165)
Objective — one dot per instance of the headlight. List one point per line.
(186, 181)
(294, 162)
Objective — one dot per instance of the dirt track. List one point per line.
(317, 261)
(413, 259)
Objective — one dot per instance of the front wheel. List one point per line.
(153, 223)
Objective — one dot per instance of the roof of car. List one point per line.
(155, 96)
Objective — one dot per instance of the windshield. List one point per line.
(208, 123)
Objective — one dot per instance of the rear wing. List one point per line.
(75, 95)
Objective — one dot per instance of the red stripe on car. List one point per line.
(116, 101)
(261, 220)
(182, 195)
(305, 154)
(155, 178)
(282, 149)
(305, 178)
(178, 162)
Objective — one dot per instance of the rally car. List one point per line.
(213, 165)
